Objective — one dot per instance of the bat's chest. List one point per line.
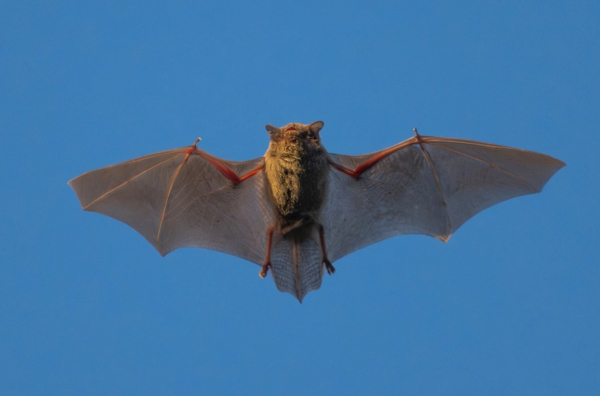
(297, 188)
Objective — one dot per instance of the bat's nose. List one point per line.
(293, 135)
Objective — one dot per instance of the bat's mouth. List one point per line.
(293, 138)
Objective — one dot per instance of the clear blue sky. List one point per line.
(509, 306)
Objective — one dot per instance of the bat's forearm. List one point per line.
(225, 171)
(356, 172)
(347, 171)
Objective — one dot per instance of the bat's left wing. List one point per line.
(424, 185)
(185, 198)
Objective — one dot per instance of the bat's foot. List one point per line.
(263, 271)
(329, 267)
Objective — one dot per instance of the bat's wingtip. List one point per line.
(71, 182)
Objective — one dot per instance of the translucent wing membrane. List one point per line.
(427, 186)
(178, 198)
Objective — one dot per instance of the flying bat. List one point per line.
(298, 209)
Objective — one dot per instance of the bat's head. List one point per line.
(295, 137)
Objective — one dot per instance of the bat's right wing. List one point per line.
(424, 185)
(185, 198)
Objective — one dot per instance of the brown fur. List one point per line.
(296, 167)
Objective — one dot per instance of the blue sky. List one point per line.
(509, 306)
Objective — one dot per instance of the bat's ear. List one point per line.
(316, 126)
(273, 131)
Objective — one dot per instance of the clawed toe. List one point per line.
(330, 268)
(264, 270)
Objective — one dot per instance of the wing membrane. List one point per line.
(427, 186)
(177, 198)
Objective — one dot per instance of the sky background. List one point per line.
(509, 306)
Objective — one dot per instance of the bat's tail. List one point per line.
(297, 262)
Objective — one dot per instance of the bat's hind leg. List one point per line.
(328, 266)
(265, 267)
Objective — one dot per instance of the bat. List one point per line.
(298, 209)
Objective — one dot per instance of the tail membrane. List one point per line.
(297, 262)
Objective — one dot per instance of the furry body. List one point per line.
(296, 166)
